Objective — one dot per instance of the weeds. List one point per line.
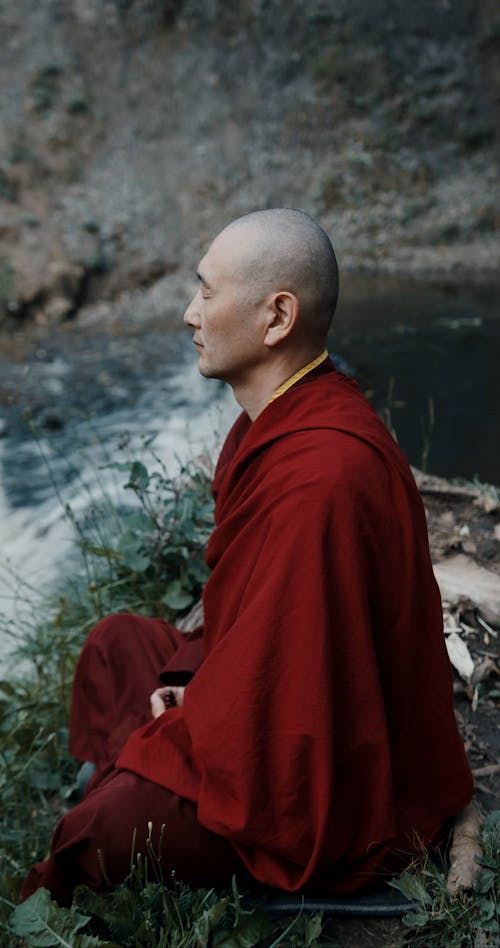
(466, 920)
(149, 558)
(145, 556)
(144, 914)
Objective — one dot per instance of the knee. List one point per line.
(120, 626)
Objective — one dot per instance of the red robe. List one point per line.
(318, 736)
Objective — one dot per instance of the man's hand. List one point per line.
(166, 697)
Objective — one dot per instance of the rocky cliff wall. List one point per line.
(132, 131)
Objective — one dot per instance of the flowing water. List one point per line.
(428, 357)
(438, 349)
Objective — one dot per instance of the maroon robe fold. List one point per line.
(318, 735)
(117, 670)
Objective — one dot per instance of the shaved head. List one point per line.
(283, 249)
(267, 290)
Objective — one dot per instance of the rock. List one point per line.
(55, 311)
(487, 502)
(459, 656)
(460, 578)
(51, 422)
(64, 279)
(431, 484)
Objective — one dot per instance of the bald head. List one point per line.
(282, 249)
(267, 289)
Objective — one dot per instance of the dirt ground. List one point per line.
(465, 520)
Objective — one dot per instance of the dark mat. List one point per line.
(383, 902)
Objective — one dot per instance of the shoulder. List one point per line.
(332, 457)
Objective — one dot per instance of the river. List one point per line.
(427, 356)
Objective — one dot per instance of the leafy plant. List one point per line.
(142, 914)
(146, 557)
(149, 558)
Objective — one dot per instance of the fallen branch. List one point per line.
(486, 771)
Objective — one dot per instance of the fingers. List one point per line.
(166, 697)
(179, 696)
(159, 701)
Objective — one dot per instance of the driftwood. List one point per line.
(193, 618)
(460, 578)
(430, 484)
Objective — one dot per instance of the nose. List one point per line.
(191, 316)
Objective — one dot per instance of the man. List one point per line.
(305, 738)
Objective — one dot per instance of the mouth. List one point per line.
(197, 344)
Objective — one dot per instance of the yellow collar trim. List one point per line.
(298, 375)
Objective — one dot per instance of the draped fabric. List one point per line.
(318, 735)
(122, 813)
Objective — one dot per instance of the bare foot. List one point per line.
(466, 844)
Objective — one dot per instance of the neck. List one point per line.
(254, 392)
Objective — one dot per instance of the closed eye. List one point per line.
(205, 287)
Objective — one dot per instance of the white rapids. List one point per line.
(189, 419)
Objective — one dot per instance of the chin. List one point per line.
(209, 373)
(205, 371)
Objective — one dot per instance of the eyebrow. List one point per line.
(202, 279)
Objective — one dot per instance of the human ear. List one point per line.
(283, 312)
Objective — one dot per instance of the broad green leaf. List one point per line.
(489, 925)
(412, 887)
(313, 926)
(43, 924)
(131, 548)
(249, 930)
(415, 919)
(487, 909)
(139, 476)
(176, 597)
(138, 521)
(215, 912)
(484, 881)
(44, 779)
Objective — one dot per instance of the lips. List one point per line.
(196, 343)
